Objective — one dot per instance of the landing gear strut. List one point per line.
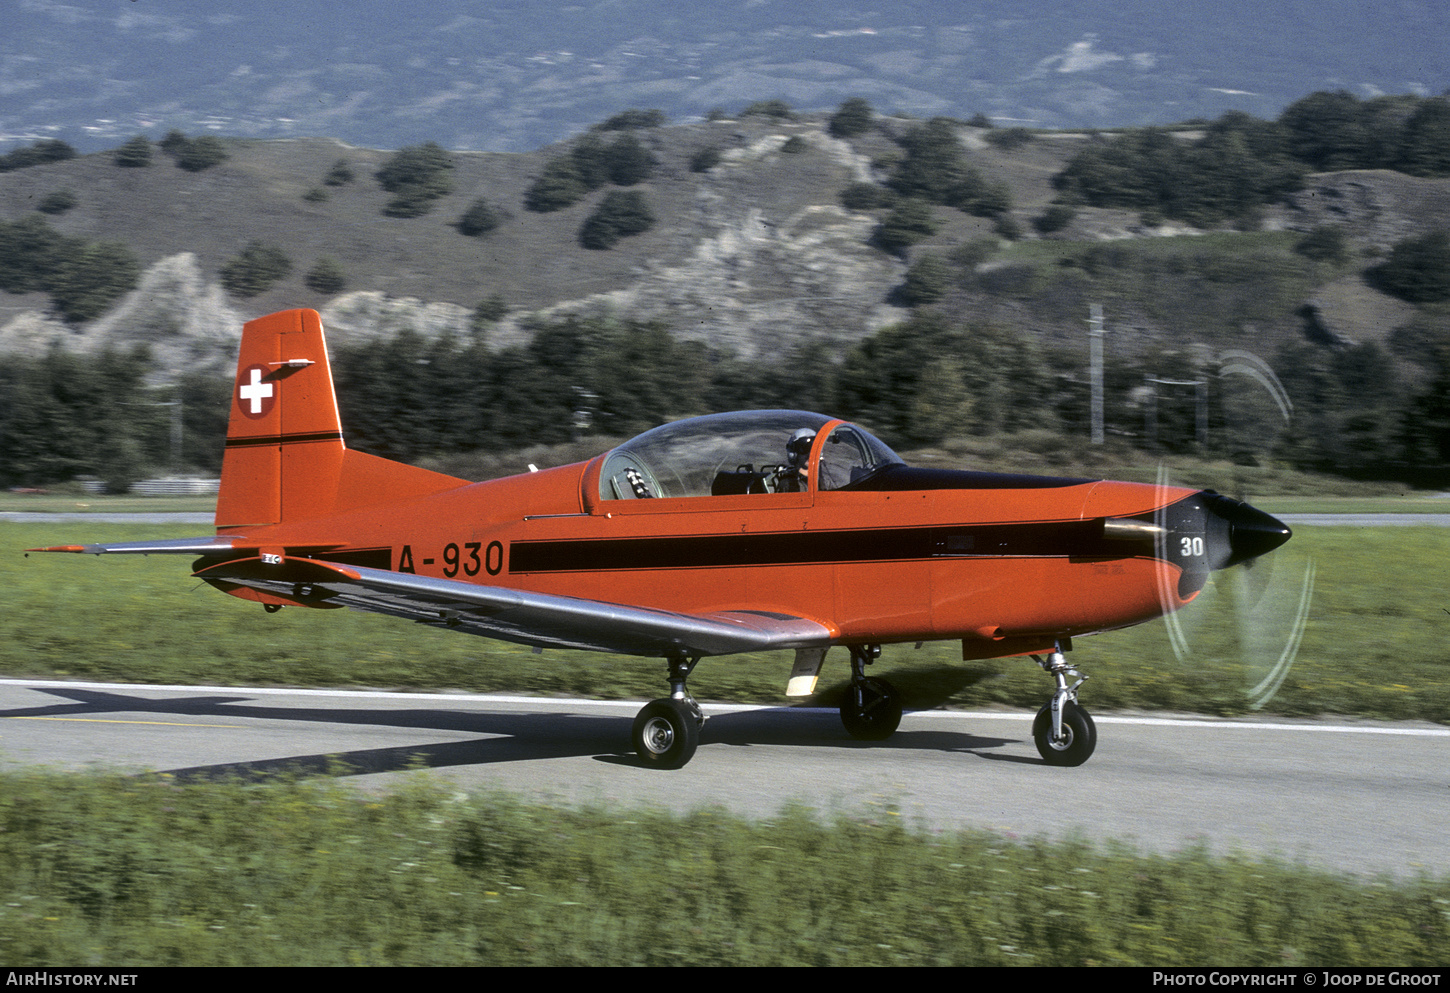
(1064, 731)
(871, 709)
(667, 731)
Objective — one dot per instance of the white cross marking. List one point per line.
(256, 391)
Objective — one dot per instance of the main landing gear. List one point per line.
(1064, 731)
(871, 708)
(667, 731)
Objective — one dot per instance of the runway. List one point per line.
(1357, 796)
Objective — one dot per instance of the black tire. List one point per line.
(874, 712)
(666, 734)
(1080, 736)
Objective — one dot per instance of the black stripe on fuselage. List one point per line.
(1069, 539)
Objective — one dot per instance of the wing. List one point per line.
(522, 616)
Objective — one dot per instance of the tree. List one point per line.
(255, 269)
(48, 150)
(1325, 243)
(934, 167)
(135, 154)
(620, 214)
(57, 203)
(561, 185)
(768, 108)
(1418, 269)
(633, 120)
(88, 278)
(1425, 147)
(927, 281)
(201, 153)
(325, 276)
(340, 174)
(1328, 131)
(705, 159)
(479, 219)
(909, 223)
(629, 161)
(416, 175)
(852, 118)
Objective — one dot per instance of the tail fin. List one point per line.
(285, 458)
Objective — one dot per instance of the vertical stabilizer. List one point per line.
(285, 458)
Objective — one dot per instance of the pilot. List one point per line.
(798, 453)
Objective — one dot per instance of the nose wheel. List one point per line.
(1063, 731)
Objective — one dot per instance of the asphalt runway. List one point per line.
(1363, 797)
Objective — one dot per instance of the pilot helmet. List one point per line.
(799, 445)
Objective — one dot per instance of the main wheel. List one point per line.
(666, 734)
(1079, 736)
(871, 710)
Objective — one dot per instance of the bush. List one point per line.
(909, 223)
(633, 120)
(851, 119)
(927, 281)
(561, 185)
(1325, 243)
(325, 276)
(201, 153)
(1009, 139)
(1418, 269)
(768, 108)
(866, 196)
(135, 154)
(794, 145)
(705, 159)
(628, 161)
(90, 277)
(620, 215)
(340, 174)
(479, 219)
(255, 269)
(417, 175)
(1055, 218)
(40, 153)
(57, 203)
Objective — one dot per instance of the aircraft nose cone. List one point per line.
(1251, 532)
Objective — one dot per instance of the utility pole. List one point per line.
(1095, 348)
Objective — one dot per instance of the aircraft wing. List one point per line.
(529, 618)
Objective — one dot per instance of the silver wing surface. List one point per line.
(521, 616)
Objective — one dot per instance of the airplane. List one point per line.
(714, 535)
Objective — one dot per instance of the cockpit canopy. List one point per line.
(751, 451)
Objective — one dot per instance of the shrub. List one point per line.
(910, 222)
(479, 219)
(866, 196)
(325, 276)
(416, 175)
(340, 174)
(560, 186)
(57, 203)
(89, 277)
(619, 215)
(633, 120)
(201, 153)
(254, 269)
(135, 154)
(795, 145)
(1418, 269)
(852, 118)
(927, 281)
(705, 159)
(768, 108)
(1325, 243)
(49, 150)
(1054, 218)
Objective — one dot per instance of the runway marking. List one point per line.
(716, 708)
(116, 720)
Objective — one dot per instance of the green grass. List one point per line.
(1373, 646)
(112, 871)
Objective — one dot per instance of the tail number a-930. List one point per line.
(470, 558)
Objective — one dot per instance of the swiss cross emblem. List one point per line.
(255, 395)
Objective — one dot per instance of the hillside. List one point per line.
(752, 255)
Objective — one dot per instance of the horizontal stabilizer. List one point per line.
(169, 546)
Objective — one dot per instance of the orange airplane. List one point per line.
(738, 532)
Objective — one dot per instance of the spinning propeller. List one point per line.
(1261, 606)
